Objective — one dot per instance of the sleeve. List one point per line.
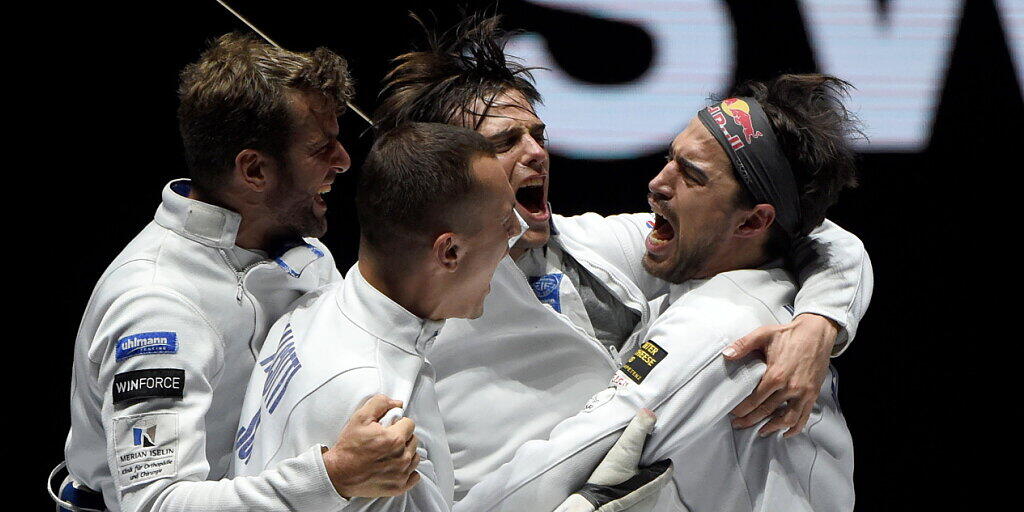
(620, 240)
(690, 390)
(160, 361)
(836, 279)
(318, 419)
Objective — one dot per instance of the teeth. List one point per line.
(324, 189)
(653, 237)
(534, 181)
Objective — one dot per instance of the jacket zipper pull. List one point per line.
(238, 293)
(614, 352)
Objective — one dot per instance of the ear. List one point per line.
(756, 221)
(252, 169)
(447, 252)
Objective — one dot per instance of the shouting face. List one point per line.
(313, 158)
(518, 135)
(694, 199)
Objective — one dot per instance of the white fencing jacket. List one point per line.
(166, 345)
(679, 373)
(531, 367)
(320, 363)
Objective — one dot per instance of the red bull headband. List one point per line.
(742, 128)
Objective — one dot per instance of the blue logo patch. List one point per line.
(546, 289)
(162, 342)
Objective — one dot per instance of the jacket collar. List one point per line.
(217, 227)
(198, 221)
(382, 317)
(676, 291)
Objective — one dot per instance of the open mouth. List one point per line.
(321, 195)
(531, 195)
(663, 230)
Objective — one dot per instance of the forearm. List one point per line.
(836, 279)
(298, 483)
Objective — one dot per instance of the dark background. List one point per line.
(914, 384)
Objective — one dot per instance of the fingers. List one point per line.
(765, 410)
(375, 408)
(404, 451)
(805, 415)
(757, 339)
(631, 443)
(620, 463)
(403, 429)
(784, 418)
(414, 479)
(769, 385)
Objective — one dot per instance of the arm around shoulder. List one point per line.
(836, 278)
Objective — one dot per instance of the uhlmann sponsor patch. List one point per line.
(161, 342)
(146, 448)
(152, 383)
(640, 364)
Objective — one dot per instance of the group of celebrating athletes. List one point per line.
(484, 353)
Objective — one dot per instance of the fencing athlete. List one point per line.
(574, 294)
(746, 172)
(436, 214)
(170, 334)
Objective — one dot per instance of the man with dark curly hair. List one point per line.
(751, 169)
(574, 293)
(172, 329)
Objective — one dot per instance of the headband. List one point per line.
(742, 129)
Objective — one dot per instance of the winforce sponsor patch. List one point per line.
(153, 383)
(146, 448)
(646, 357)
(162, 342)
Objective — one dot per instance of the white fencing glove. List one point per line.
(618, 484)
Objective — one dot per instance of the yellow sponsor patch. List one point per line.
(643, 360)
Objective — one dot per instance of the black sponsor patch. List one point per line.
(646, 357)
(153, 383)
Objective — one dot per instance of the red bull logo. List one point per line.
(734, 140)
(739, 111)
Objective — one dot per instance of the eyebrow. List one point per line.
(517, 130)
(683, 162)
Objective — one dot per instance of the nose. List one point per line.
(661, 185)
(535, 154)
(340, 161)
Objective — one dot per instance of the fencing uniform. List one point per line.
(163, 353)
(679, 373)
(548, 341)
(320, 363)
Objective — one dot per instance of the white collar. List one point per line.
(384, 318)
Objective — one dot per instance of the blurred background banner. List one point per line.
(896, 57)
(938, 90)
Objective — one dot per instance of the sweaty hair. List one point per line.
(413, 182)
(234, 98)
(814, 129)
(441, 83)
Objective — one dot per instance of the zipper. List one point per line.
(644, 309)
(610, 355)
(240, 274)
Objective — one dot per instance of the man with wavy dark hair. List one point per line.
(574, 293)
(170, 334)
(762, 164)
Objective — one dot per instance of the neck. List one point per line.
(402, 282)
(255, 232)
(741, 254)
